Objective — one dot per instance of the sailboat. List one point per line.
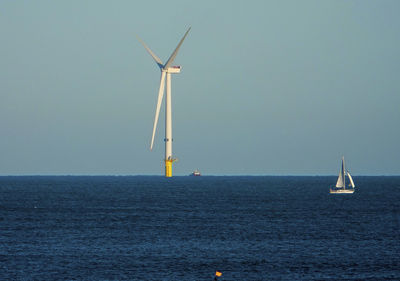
(341, 181)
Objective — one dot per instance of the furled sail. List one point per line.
(351, 180)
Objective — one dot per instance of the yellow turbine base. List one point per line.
(168, 168)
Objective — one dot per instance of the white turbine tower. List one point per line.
(166, 70)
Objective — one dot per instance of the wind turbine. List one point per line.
(166, 70)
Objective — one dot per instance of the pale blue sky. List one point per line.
(267, 87)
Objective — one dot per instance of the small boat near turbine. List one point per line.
(196, 173)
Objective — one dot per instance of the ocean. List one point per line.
(187, 228)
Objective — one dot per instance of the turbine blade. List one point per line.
(159, 100)
(172, 57)
(157, 59)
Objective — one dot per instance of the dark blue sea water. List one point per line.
(186, 228)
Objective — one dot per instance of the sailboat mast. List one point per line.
(343, 173)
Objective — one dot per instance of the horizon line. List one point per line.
(185, 175)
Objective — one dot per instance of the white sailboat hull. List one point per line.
(341, 191)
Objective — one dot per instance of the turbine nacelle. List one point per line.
(173, 69)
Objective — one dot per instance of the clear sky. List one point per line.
(267, 87)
